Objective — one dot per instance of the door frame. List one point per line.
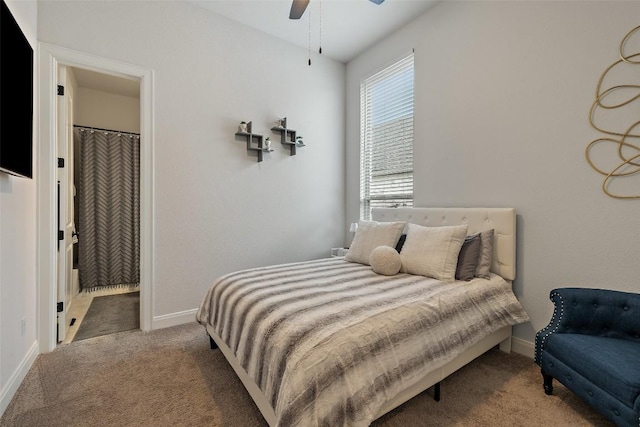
(49, 57)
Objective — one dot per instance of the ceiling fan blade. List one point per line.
(297, 8)
(377, 1)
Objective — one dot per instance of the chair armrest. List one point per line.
(600, 312)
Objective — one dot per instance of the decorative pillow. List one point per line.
(485, 257)
(370, 235)
(385, 260)
(400, 243)
(468, 258)
(433, 251)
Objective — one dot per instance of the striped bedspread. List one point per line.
(329, 341)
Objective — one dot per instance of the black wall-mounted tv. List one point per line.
(16, 94)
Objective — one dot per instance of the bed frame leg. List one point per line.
(213, 343)
(436, 392)
(547, 382)
(505, 346)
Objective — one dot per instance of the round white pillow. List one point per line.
(385, 260)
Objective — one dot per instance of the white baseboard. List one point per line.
(11, 387)
(174, 319)
(523, 347)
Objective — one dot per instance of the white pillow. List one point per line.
(370, 235)
(385, 260)
(432, 251)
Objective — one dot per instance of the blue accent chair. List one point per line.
(592, 347)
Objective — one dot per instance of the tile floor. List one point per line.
(80, 305)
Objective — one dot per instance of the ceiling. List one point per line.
(106, 83)
(348, 26)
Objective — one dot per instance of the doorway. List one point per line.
(50, 59)
(102, 205)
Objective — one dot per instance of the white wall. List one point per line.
(216, 208)
(107, 110)
(18, 253)
(502, 95)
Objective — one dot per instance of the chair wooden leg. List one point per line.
(547, 381)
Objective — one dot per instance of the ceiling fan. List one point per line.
(299, 6)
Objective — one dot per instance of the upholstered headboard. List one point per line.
(502, 220)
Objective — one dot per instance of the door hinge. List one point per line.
(60, 90)
(60, 162)
(60, 234)
(60, 307)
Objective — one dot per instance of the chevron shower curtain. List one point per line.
(108, 195)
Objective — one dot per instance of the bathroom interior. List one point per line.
(107, 106)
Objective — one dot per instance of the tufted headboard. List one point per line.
(502, 220)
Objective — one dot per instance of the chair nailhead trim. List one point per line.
(555, 321)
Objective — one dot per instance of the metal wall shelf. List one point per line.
(254, 141)
(288, 137)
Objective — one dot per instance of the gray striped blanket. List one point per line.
(329, 341)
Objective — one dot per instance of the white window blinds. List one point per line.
(386, 138)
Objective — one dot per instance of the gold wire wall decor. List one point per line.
(626, 143)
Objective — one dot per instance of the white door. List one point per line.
(65, 202)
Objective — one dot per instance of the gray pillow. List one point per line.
(468, 258)
(485, 258)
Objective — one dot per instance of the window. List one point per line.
(386, 138)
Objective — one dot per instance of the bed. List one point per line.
(331, 342)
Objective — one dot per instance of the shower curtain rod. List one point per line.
(105, 130)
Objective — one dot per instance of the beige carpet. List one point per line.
(170, 377)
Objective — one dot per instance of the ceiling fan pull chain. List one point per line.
(309, 37)
(320, 41)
